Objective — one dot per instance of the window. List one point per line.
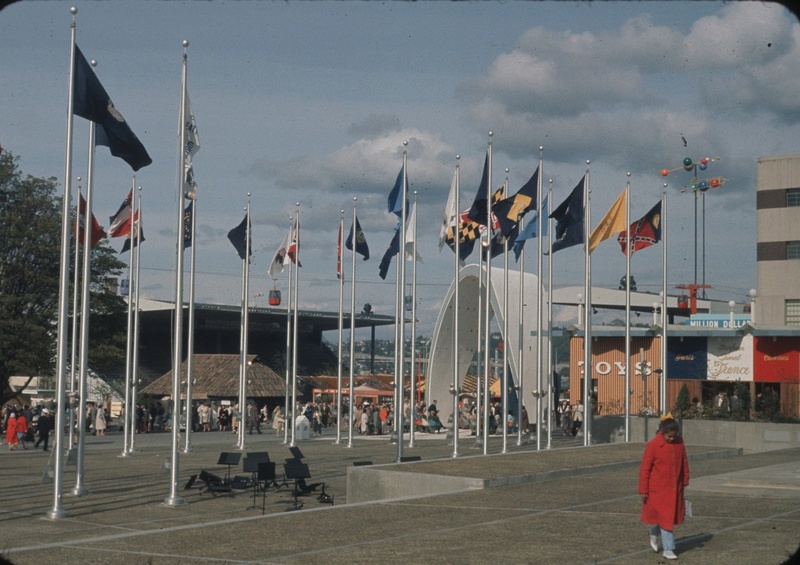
(793, 249)
(793, 197)
(792, 312)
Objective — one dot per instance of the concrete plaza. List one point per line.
(567, 504)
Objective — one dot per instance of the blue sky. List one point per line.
(310, 102)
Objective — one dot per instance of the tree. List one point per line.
(30, 244)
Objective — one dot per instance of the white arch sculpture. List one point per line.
(440, 367)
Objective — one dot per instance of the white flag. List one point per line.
(450, 214)
(280, 257)
(410, 245)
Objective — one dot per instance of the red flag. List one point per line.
(97, 231)
(645, 231)
(293, 246)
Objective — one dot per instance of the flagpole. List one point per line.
(129, 336)
(480, 388)
(551, 400)
(413, 363)
(340, 270)
(539, 299)
(57, 511)
(487, 307)
(664, 302)
(286, 412)
(245, 332)
(296, 240)
(587, 332)
(628, 311)
(401, 319)
(174, 499)
(456, 285)
(135, 364)
(74, 401)
(192, 196)
(79, 489)
(521, 333)
(351, 381)
(505, 335)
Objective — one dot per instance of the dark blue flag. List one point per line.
(394, 249)
(138, 237)
(361, 241)
(238, 237)
(569, 220)
(91, 101)
(188, 218)
(479, 211)
(509, 210)
(395, 203)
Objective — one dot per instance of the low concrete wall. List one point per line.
(749, 436)
(373, 483)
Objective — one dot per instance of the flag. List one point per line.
(278, 260)
(396, 196)
(498, 239)
(645, 231)
(409, 244)
(97, 231)
(120, 222)
(531, 230)
(394, 249)
(469, 231)
(614, 221)
(136, 232)
(188, 218)
(191, 147)
(91, 101)
(361, 241)
(291, 252)
(569, 219)
(477, 213)
(511, 209)
(238, 237)
(450, 214)
(339, 251)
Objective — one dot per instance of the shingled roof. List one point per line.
(217, 376)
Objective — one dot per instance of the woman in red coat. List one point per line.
(11, 431)
(662, 477)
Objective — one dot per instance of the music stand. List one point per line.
(296, 470)
(250, 465)
(229, 458)
(297, 453)
(266, 473)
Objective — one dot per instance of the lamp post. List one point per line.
(752, 295)
(731, 305)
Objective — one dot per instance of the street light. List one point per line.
(752, 294)
(731, 305)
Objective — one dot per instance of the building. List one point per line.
(778, 240)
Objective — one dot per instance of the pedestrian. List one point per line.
(12, 439)
(253, 420)
(100, 423)
(577, 417)
(43, 427)
(663, 475)
(235, 419)
(563, 412)
(277, 421)
(22, 429)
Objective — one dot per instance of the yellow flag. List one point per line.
(613, 222)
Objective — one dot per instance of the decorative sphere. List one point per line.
(704, 161)
(702, 166)
(714, 183)
(687, 162)
(664, 172)
(185, 43)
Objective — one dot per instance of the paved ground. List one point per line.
(569, 504)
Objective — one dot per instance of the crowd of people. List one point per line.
(26, 424)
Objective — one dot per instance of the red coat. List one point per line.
(11, 432)
(662, 476)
